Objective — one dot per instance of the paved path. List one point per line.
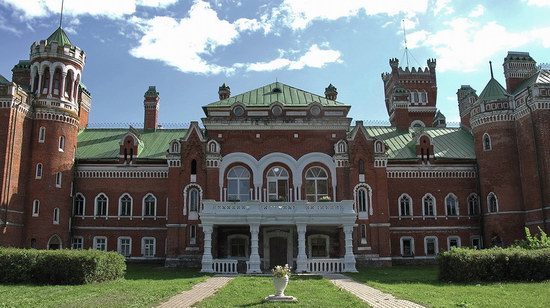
(197, 293)
(373, 297)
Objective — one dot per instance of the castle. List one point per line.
(275, 175)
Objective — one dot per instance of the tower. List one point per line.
(411, 94)
(151, 105)
(518, 66)
(56, 67)
(466, 96)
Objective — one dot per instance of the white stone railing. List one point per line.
(276, 208)
(325, 265)
(224, 266)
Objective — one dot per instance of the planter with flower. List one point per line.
(281, 275)
(324, 199)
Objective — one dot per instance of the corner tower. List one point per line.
(56, 67)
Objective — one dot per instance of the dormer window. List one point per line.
(175, 148)
(341, 147)
(238, 111)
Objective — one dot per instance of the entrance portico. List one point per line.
(281, 225)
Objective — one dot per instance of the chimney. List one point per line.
(151, 105)
(224, 92)
(331, 93)
(518, 66)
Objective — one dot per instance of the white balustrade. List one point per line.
(277, 208)
(224, 266)
(325, 265)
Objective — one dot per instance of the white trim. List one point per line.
(35, 208)
(318, 236)
(56, 215)
(442, 228)
(143, 248)
(476, 237)
(58, 238)
(410, 206)
(95, 242)
(431, 171)
(41, 134)
(496, 201)
(120, 205)
(193, 237)
(453, 237)
(453, 196)
(83, 204)
(401, 246)
(154, 206)
(247, 243)
(478, 204)
(106, 206)
(413, 123)
(118, 248)
(39, 167)
(193, 215)
(58, 179)
(486, 135)
(363, 236)
(424, 206)
(368, 199)
(436, 249)
(81, 244)
(121, 228)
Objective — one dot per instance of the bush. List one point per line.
(495, 264)
(537, 241)
(59, 266)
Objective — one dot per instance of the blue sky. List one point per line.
(189, 48)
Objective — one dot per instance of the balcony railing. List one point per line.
(325, 265)
(224, 266)
(211, 207)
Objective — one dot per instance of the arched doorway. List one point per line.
(54, 243)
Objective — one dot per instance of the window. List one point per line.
(473, 205)
(415, 97)
(38, 173)
(379, 147)
(316, 184)
(407, 246)
(363, 234)
(486, 142)
(424, 97)
(100, 243)
(61, 143)
(41, 134)
(56, 216)
(238, 184)
(45, 80)
(77, 242)
(238, 245)
(492, 203)
(361, 166)
(78, 206)
(428, 204)
(341, 147)
(175, 147)
(318, 246)
(35, 208)
(362, 199)
(125, 206)
(475, 242)
(58, 179)
(453, 241)
(101, 204)
(193, 199)
(238, 111)
(405, 206)
(124, 246)
(277, 184)
(213, 146)
(148, 247)
(193, 234)
(149, 205)
(451, 205)
(194, 166)
(430, 246)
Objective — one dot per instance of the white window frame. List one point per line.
(144, 246)
(119, 246)
(436, 245)
(363, 212)
(316, 179)
(231, 180)
(452, 196)
(476, 237)
(453, 237)
(143, 206)
(402, 247)
(106, 206)
(489, 203)
(247, 243)
(326, 238)
(483, 141)
(363, 233)
(39, 171)
(36, 208)
(428, 195)
(41, 134)
(61, 144)
(77, 242)
(120, 205)
(478, 205)
(274, 176)
(410, 205)
(97, 240)
(56, 214)
(175, 147)
(192, 234)
(58, 179)
(83, 205)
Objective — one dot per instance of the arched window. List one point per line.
(213, 147)
(341, 147)
(56, 216)
(362, 200)
(492, 203)
(45, 80)
(57, 82)
(78, 206)
(424, 97)
(415, 97)
(277, 184)
(194, 166)
(316, 184)
(149, 205)
(378, 147)
(428, 204)
(175, 147)
(69, 84)
(125, 205)
(405, 206)
(473, 205)
(487, 142)
(238, 184)
(451, 205)
(193, 198)
(35, 208)
(101, 205)
(38, 174)
(61, 143)
(41, 134)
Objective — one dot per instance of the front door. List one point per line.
(277, 251)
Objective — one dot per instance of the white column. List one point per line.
(254, 262)
(50, 90)
(349, 258)
(40, 73)
(301, 260)
(207, 254)
(62, 85)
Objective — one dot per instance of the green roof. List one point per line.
(449, 143)
(275, 92)
(59, 37)
(493, 91)
(3, 80)
(104, 143)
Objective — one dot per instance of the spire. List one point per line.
(61, 15)
(60, 37)
(491, 68)
(405, 39)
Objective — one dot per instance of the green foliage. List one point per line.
(537, 241)
(495, 264)
(59, 266)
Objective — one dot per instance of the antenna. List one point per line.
(491, 68)
(405, 39)
(61, 16)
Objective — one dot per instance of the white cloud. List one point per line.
(478, 11)
(443, 7)
(538, 2)
(315, 57)
(299, 14)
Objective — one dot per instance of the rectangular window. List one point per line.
(363, 234)
(148, 247)
(476, 243)
(77, 242)
(42, 135)
(35, 208)
(238, 247)
(453, 241)
(407, 249)
(56, 216)
(100, 243)
(431, 246)
(38, 174)
(125, 246)
(193, 234)
(58, 178)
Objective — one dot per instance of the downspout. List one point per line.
(8, 182)
(542, 179)
(481, 220)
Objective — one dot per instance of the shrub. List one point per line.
(59, 266)
(495, 264)
(537, 241)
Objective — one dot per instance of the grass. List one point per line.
(420, 285)
(143, 286)
(311, 291)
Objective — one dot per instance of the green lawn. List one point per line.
(143, 286)
(311, 291)
(419, 284)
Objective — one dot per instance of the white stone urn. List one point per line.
(280, 284)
